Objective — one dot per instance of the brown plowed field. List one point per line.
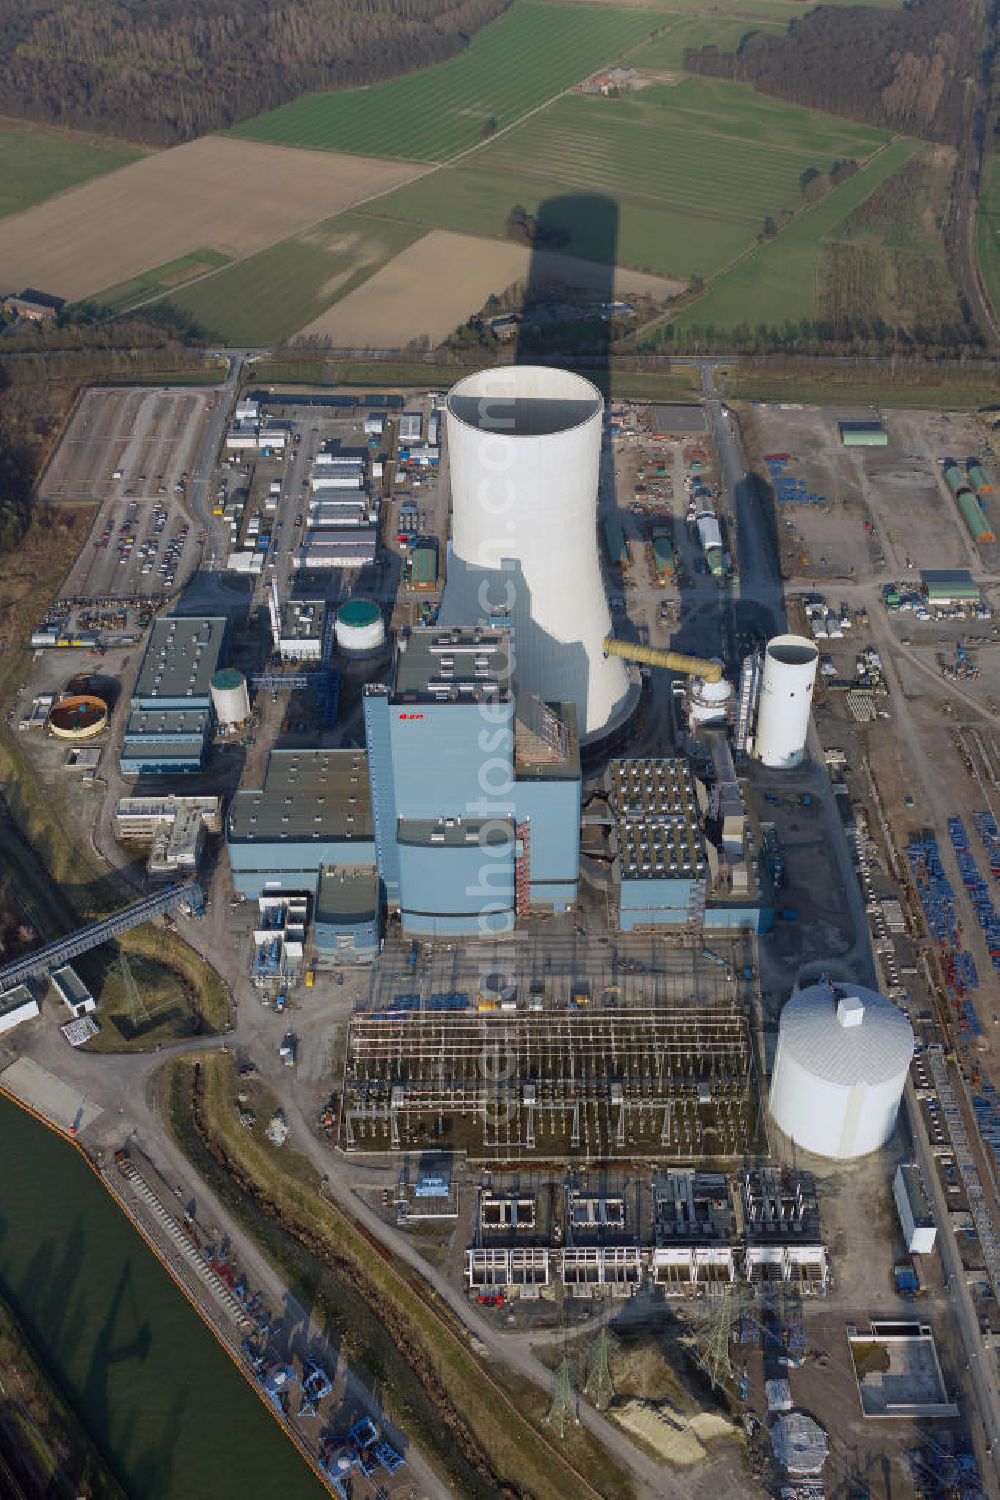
(216, 193)
(444, 278)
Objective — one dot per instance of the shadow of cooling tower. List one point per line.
(566, 322)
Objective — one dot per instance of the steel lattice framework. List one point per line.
(675, 1080)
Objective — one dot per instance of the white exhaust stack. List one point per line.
(786, 697)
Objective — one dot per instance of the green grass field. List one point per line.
(988, 231)
(666, 52)
(777, 282)
(272, 294)
(532, 53)
(38, 164)
(688, 174)
(128, 294)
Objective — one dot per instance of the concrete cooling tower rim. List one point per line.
(792, 650)
(524, 402)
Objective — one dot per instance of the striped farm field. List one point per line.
(531, 54)
(778, 281)
(988, 231)
(670, 180)
(268, 296)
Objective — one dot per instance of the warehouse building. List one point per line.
(170, 715)
(337, 547)
(947, 586)
(312, 813)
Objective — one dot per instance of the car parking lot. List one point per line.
(128, 444)
(137, 549)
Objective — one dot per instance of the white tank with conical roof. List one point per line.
(840, 1069)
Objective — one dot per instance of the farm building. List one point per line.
(863, 435)
(36, 307)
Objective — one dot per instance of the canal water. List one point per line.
(161, 1399)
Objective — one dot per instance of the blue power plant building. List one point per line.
(475, 791)
(466, 804)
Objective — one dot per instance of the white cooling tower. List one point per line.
(524, 448)
(840, 1069)
(785, 700)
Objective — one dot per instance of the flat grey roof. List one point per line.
(192, 722)
(679, 419)
(307, 794)
(347, 893)
(454, 833)
(433, 664)
(69, 984)
(181, 658)
(303, 620)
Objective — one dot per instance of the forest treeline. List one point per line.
(163, 71)
(907, 70)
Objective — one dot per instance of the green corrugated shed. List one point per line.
(863, 435)
(954, 478)
(974, 517)
(950, 585)
(663, 554)
(614, 540)
(424, 566)
(981, 481)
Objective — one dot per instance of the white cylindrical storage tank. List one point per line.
(360, 627)
(524, 449)
(840, 1069)
(230, 698)
(785, 700)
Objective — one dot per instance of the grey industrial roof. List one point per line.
(69, 984)
(192, 722)
(303, 620)
(432, 663)
(546, 740)
(322, 794)
(454, 833)
(679, 419)
(181, 658)
(347, 893)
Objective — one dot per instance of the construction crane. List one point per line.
(672, 661)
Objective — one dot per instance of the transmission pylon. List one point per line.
(137, 1012)
(714, 1336)
(562, 1412)
(599, 1388)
